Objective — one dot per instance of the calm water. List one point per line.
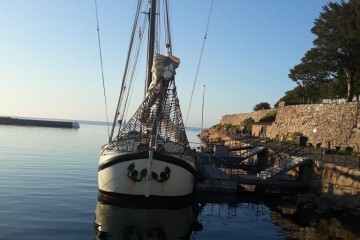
(48, 190)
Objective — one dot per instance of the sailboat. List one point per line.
(149, 158)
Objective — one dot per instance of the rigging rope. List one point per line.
(133, 72)
(198, 67)
(102, 68)
(123, 85)
(167, 28)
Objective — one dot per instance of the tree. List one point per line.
(314, 93)
(336, 51)
(334, 89)
(247, 124)
(262, 105)
(294, 96)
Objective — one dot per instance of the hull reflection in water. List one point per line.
(116, 222)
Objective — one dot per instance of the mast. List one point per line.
(150, 59)
(151, 43)
(202, 120)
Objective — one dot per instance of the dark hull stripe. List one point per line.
(141, 155)
(129, 201)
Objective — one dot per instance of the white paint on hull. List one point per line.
(115, 178)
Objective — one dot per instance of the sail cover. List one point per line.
(158, 116)
(163, 69)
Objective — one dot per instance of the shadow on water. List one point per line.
(269, 216)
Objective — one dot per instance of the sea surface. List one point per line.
(48, 190)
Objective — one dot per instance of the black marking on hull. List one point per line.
(141, 155)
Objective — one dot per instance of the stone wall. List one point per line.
(237, 119)
(338, 124)
(341, 184)
(260, 129)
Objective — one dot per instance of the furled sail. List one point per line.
(163, 69)
(160, 110)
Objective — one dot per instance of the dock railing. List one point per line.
(281, 151)
(339, 157)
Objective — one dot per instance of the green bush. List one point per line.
(294, 135)
(348, 149)
(269, 117)
(217, 126)
(226, 126)
(247, 124)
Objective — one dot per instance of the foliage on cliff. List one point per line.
(269, 117)
(247, 124)
(226, 131)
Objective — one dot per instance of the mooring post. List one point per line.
(321, 155)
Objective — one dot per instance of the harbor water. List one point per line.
(48, 190)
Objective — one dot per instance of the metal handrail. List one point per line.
(350, 161)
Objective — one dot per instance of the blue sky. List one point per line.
(49, 64)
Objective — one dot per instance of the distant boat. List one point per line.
(149, 160)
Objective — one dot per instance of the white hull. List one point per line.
(166, 176)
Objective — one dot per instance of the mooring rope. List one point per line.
(199, 63)
(102, 68)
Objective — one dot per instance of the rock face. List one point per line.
(216, 135)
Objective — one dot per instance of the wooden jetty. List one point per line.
(38, 123)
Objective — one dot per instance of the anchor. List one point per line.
(164, 176)
(134, 174)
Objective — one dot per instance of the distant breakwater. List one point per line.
(37, 123)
